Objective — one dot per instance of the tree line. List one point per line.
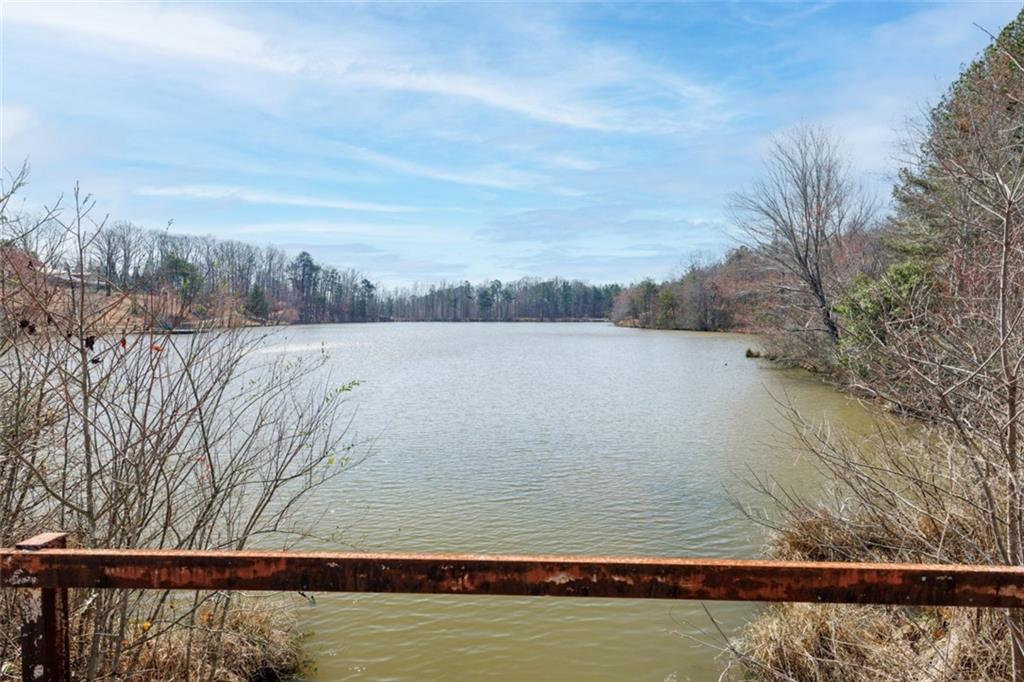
(524, 299)
(200, 278)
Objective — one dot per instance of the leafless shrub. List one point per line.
(129, 438)
(903, 495)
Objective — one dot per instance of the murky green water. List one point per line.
(547, 438)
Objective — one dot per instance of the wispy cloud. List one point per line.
(572, 162)
(160, 28)
(566, 99)
(625, 222)
(489, 91)
(774, 15)
(250, 196)
(14, 121)
(384, 234)
(494, 176)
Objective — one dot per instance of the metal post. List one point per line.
(45, 651)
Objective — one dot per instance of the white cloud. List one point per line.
(493, 176)
(317, 229)
(24, 137)
(945, 26)
(14, 122)
(774, 16)
(250, 196)
(151, 27)
(884, 85)
(572, 162)
(15, 119)
(517, 98)
(567, 98)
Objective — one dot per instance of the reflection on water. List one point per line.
(546, 438)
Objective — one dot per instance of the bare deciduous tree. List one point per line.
(798, 214)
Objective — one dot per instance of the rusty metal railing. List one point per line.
(45, 566)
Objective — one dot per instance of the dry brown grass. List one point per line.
(849, 643)
(258, 641)
(832, 643)
(892, 498)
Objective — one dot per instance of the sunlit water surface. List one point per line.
(546, 438)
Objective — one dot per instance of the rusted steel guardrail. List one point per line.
(44, 565)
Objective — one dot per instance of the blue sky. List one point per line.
(421, 142)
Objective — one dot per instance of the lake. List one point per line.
(566, 438)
